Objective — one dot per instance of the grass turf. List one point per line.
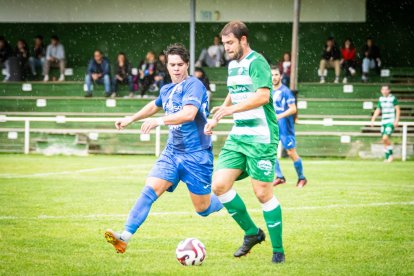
(354, 218)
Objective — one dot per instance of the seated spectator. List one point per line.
(98, 72)
(284, 68)
(348, 59)
(39, 52)
(201, 75)
(330, 59)
(162, 77)
(147, 70)
(213, 56)
(371, 60)
(5, 53)
(55, 57)
(123, 75)
(22, 53)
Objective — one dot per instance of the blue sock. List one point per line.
(215, 206)
(140, 211)
(299, 168)
(278, 171)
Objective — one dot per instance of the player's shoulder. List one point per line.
(164, 89)
(193, 81)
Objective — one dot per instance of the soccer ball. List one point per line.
(190, 251)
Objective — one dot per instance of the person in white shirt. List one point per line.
(213, 56)
(55, 57)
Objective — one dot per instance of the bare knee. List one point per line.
(263, 192)
(219, 188)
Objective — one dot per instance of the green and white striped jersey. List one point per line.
(257, 128)
(387, 107)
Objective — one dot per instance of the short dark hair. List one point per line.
(238, 28)
(177, 49)
(275, 67)
(54, 37)
(39, 37)
(386, 85)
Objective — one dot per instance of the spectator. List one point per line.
(162, 77)
(213, 56)
(39, 52)
(371, 60)
(5, 53)
(147, 71)
(98, 72)
(22, 53)
(55, 57)
(201, 75)
(123, 75)
(330, 59)
(348, 59)
(284, 68)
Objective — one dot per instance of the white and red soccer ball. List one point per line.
(190, 251)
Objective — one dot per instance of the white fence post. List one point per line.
(157, 141)
(404, 142)
(26, 136)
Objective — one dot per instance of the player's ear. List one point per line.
(243, 40)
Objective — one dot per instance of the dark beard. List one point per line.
(239, 54)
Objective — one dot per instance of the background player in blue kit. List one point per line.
(188, 154)
(284, 103)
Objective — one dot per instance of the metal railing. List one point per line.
(158, 132)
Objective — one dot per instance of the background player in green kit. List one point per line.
(251, 146)
(390, 115)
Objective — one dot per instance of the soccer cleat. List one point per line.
(389, 160)
(278, 257)
(115, 239)
(301, 183)
(279, 181)
(249, 242)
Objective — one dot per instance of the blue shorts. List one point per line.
(194, 169)
(288, 141)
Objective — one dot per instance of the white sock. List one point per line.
(126, 236)
(270, 205)
(227, 197)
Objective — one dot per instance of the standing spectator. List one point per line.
(348, 59)
(330, 59)
(147, 71)
(22, 53)
(123, 75)
(39, 53)
(55, 57)
(201, 75)
(98, 72)
(213, 56)
(371, 60)
(5, 53)
(162, 77)
(284, 68)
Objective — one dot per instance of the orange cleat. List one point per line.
(115, 239)
(301, 183)
(279, 181)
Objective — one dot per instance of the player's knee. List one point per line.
(218, 188)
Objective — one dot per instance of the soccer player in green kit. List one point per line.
(389, 109)
(251, 146)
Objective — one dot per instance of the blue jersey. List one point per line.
(187, 137)
(282, 97)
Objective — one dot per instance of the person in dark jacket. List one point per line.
(123, 75)
(5, 52)
(39, 55)
(330, 59)
(22, 53)
(284, 68)
(162, 76)
(98, 72)
(147, 70)
(371, 60)
(201, 75)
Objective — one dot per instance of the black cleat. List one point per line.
(301, 183)
(278, 258)
(249, 242)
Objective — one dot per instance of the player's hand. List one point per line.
(148, 125)
(208, 128)
(223, 111)
(395, 124)
(214, 109)
(372, 124)
(122, 123)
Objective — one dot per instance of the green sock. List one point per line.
(238, 211)
(387, 154)
(273, 220)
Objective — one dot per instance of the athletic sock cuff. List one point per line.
(150, 193)
(272, 204)
(228, 196)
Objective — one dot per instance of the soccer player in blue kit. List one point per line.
(188, 155)
(284, 103)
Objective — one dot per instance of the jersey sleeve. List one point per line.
(290, 99)
(395, 101)
(260, 74)
(194, 91)
(158, 101)
(379, 104)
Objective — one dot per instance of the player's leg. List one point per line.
(204, 205)
(297, 163)
(388, 149)
(280, 179)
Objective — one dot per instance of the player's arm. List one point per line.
(187, 114)
(290, 111)
(227, 102)
(397, 115)
(375, 115)
(147, 111)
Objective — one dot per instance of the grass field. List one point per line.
(354, 218)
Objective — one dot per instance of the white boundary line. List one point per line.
(105, 216)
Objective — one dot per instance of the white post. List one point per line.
(26, 136)
(157, 141)
(404, 142)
